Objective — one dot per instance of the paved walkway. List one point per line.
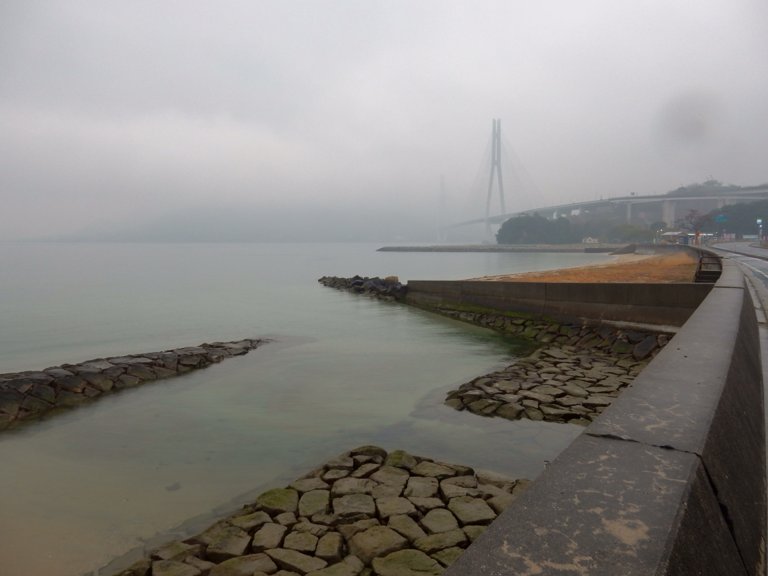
(743, 248)
(754, 262)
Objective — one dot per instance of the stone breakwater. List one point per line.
(29, 395)
(621, 342)
(364, 513)
(388, 288)
(556, 384)
(580, 370)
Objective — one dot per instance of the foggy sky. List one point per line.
(318, 115)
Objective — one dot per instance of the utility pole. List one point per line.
(495, 174)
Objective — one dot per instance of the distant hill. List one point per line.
(711, 188)
(242, 223)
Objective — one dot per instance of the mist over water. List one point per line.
(70, 302)
(337, 120)
(304, 121)
(92, 483)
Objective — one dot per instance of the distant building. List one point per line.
(675, 237)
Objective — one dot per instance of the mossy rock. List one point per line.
(400, 459)
(279, 500)
(622, 347)
(407, 563)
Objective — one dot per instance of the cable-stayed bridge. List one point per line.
(671, 206)
(491, 184)
(666, 208)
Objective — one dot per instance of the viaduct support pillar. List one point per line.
(668, 212)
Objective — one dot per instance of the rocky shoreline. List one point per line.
(388, 288)
(556, 384)
(30, 395)
(364, 513)
(580, 369)
(578, 372)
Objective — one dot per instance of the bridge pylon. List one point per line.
(495, 175)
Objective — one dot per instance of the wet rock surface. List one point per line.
(547, 386)
(603, 339)
(367, 512)
(578, 372)
(29, 395)
(388, 288)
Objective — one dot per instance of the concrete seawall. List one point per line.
(665, 304)
(671, 479)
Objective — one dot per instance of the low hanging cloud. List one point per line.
(116, 114)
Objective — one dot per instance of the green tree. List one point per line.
(657, 226)
(693, 221)
(740, 219)
(630, 233)
(535, 229)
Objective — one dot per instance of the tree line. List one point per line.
(739, 219)
(535, 229)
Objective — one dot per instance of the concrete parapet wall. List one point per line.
(671, 479)
(665, 304)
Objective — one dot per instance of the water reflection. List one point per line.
(85, 486)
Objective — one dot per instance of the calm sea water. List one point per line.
(81, 488)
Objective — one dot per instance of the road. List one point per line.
(754, 262)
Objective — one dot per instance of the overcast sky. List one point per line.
(118, 115)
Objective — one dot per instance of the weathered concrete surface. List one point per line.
(664, 304)
(714, 412)
(669, 480)
(607, 507)
(29, 395)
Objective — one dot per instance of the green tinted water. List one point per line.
(85, 486)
